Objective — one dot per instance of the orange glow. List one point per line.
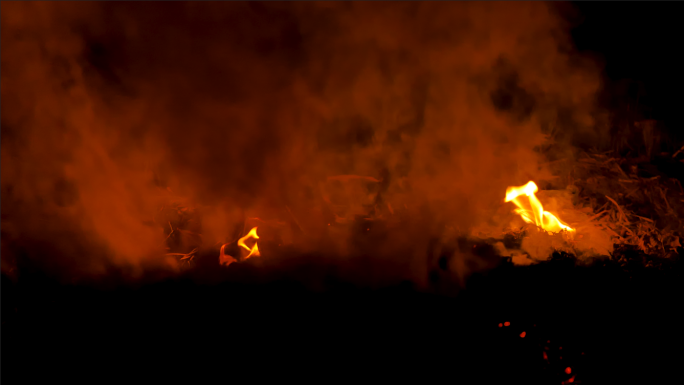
(225, 259)
(568, 370)
(507, 323)
(523, 334)
(99, 181)
(253, 251)
(536, 213)
(500, 324)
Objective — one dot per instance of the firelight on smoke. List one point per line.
(275, 79)
(535, 214)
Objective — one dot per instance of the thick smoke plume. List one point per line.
(251, 106)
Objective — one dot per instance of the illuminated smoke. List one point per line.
(252, 105)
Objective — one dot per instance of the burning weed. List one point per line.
(617, 209)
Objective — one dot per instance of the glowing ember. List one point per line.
(568, 370)
(523, 334)
(507, 323)
(254, 250)
(535, 214)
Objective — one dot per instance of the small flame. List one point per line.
(253, 251)
(536, 215)
(226, 259)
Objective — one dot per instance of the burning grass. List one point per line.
(617, 209)
(540, 303)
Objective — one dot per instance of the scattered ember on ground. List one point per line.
(568, 370)
(507, 323)
(522, 335)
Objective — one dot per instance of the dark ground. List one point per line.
(611, 326)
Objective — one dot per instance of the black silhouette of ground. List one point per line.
(607, 323)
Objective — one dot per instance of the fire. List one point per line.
(253, 251)
(249, 252)
(536, 214)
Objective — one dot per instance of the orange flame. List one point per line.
(253, 251)
(536, 215)
(226, 259)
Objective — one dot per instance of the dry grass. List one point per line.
(640, 214)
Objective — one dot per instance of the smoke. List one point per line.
(253, 105)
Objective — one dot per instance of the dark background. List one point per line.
(623, 320)
(639, 44)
